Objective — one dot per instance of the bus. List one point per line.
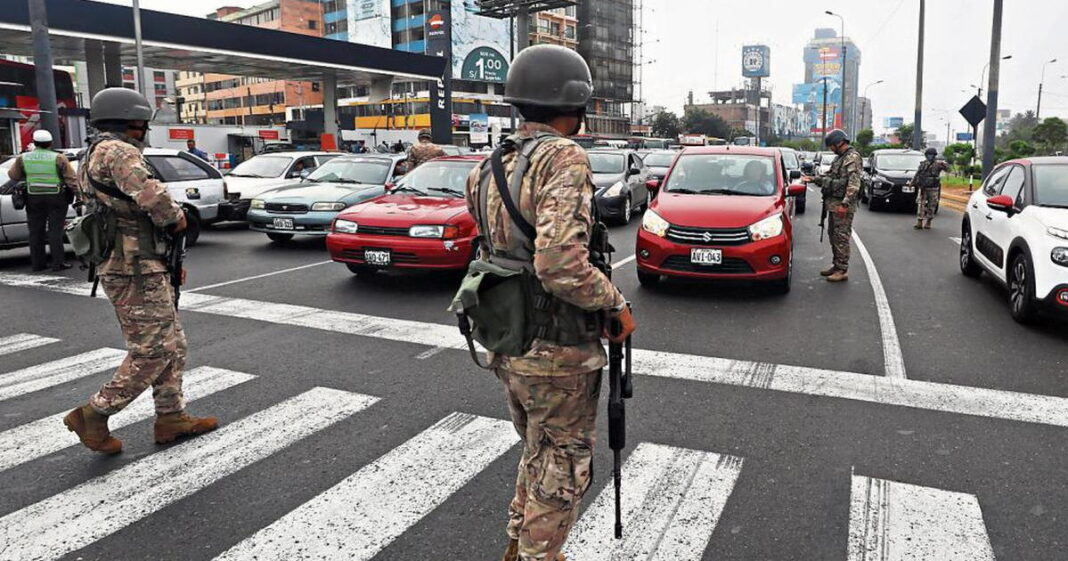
(414, 113)
(18, 91)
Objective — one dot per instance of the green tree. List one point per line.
(699, 121)
(666, 125)
(959, 154)
(863, 141)
(1021, 149)
(904, 135)
(1051, 134)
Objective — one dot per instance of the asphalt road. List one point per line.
(764, 426)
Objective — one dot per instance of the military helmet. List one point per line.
(834, 137)
(930, 152)
(425, 133)
(119, 104)
(549, 76)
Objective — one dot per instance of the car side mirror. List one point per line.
(653, 185)
(634, 171)
(867, 168)
(796, 190)
(1001, 203)
(795, 174)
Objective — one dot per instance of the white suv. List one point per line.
(192, 182)
(1016, 229)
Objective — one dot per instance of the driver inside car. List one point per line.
(755, 180)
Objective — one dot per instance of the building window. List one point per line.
(312, 24)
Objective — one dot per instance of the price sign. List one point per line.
(485, 64)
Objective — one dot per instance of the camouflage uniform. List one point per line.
(928, 188)
(423, 152)
(845, 169)
(552, 391)
(137, 287)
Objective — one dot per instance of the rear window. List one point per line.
(175, 168)
(723, 174)
(1051, 185)
(659, 160)
(605, 162)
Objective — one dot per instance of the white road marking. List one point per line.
(893, 361)
(34, 378)
(364, 513)
(622, 262)
(254, 277)
(44, 436)
(932, 396)
(429, 353)
(891, 521)
(104, 505)
(672, 502)
(22, 342)
(954, 240)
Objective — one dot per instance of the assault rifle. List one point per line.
(823, 218)
(176, 263)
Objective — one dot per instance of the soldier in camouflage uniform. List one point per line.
(135, 277)
(928, 188)
(423, 151)
(840, 187)
(552, 390)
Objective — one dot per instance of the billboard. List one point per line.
(893, 122)
(369, 23)
(964, 137)
(480, 45)
(479, 123)
(756, 61)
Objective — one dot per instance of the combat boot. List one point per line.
(919, 224)
(92, 429)
(926, 224)
(838, 276)
(512, 553)
(828, 272)
(173, 426)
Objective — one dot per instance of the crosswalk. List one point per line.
(674, 499)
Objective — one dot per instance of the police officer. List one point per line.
(551, 390)
(424, 150)
(135, 277)
(840, 187)
(50, 186)
(928, 188)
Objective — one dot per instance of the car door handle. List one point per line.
(975, 205)
(990, 216)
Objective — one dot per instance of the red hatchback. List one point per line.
(722, 212)
(422, 223)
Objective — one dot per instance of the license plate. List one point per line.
(702, 256)
(376, 257)
(908, 189)
(283, 224)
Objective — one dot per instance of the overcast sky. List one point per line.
(681, 37)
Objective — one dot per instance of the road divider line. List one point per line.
(365, 512)
(23, 341)
(44, 436)
(674, 498)
(255, 277)
(954, 240)
(97, 508)
(41, 376)
(893, 360)
(891, 521)
(622, 262)
(883, 390)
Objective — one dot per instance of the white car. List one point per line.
(267, 171)
(1016, 229)
(192, 182)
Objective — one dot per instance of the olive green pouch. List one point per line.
(494, 299)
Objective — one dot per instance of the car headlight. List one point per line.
(256, 204)
(446, 231)
(1059, 255)
(767, 228)
(1057, 232)
(328, 206)
(345, 226)
(654, 224)
(615, 190)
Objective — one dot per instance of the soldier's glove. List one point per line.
(841, 210)
(620, 326)
(182, 223)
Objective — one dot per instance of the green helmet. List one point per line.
(549, 76)
(834, 137)
(119, 104)
(425, 133)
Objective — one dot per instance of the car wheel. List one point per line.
(875, 205)
(648, 280)
(360, 270)
(280, 238)
(968, 265)
(648, 200)
(800, 206)
(864, 193)
(192, 229)
(1022, 289)
(628, 210)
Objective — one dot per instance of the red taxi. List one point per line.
(421, 223)
(722, 212)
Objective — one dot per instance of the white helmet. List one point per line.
(41, 136)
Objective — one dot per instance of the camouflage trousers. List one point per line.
(927, 202)
(841, 230)
(154, 340)
(556, 418)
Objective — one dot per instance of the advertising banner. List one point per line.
(893, 122)
(480, 45)
(180, 134)
(479, 123)
(369, 23)
(438, 33)
(756, 61)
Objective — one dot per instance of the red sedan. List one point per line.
(422, 223)
(721, 213)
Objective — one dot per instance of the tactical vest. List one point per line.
(927, 176)
(42, 177)
(837, 184)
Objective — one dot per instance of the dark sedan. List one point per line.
(619, 178)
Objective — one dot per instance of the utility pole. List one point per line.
(42, 61)
(141, 78)
(917, 122)
(522, 24)
(990, 124)
(1038, 108)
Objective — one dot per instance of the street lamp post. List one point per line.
(867, 102)
(1038, 108)
(845, 59)
(917, 121)
(982, 77)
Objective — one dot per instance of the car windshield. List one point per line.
(723, 174)
(1051, 185)
(438, 177)
(371, 171)
(898, 162)
(826, 157)
(604, 162)
(790, 159)
(659, 160)
(262, 166)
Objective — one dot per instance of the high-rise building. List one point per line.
(825, 62)
(558, 26)
(606, 41)
(864, 114)
(163, 83)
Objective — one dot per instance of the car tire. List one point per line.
(799, 208)
(628, 211)
(193, 228)
(875, 205)
(280, 238)
(1022, 289)
(864, 193)
(648, 280)
(360, 270)
(968, 266)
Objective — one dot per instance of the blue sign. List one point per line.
(964, 137)
(893, 122)
(756, 61)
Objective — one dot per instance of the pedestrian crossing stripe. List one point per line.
(41, 376)
(45, 436)
(360, 516)
(22, 341)
(72, 519)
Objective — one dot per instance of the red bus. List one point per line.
(18, 90)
